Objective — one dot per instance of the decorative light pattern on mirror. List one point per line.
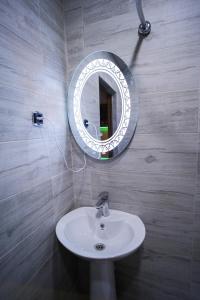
(109, 83)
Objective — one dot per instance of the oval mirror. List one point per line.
(103, 105)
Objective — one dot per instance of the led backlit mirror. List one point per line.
(103, 105)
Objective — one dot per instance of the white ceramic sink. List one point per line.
(120, 233)
(101, 240)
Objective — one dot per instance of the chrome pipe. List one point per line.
(140, 12)
(145, 26)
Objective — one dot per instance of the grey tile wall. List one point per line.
(158, 176)
(35, 187)
(53, 280)
(74, 37)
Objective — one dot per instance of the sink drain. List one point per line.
(99, 246)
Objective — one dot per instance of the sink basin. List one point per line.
(101, 240)
(112, 237)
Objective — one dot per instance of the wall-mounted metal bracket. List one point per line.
(144, 29)
(37, 118)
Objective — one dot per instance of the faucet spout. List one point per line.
(102, 205)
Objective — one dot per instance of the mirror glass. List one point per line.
(102, 105)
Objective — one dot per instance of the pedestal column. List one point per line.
(102, 280)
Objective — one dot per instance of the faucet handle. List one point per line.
(102, 198)
(103, 195)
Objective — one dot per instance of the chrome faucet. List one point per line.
(102, 205)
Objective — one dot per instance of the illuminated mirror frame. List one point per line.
(112, 65)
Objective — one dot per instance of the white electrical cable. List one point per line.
(96, 132)
(62, 152)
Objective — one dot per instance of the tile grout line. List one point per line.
(77, 197)
(20, 242)
(24, 191)
(195, 196)
(168, 92)
(36, 272)
(138, 134)
(69, 138)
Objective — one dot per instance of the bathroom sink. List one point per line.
(104, 238)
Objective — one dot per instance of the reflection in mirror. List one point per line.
(108, 118)
(101, 108)
(103, 105)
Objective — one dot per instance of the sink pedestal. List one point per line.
(102, 280)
